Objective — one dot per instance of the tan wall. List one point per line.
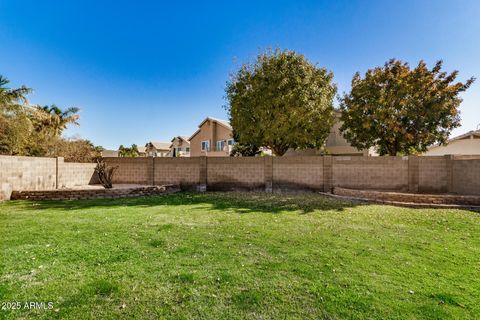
(385, 173)
(453, 174)
(211, 131)
(26, 173)
(32, 173)
(182, 171)
(466, 176)
(235, 173)
(132, 170)
(432, 174)
(72, 174)
(293, 172)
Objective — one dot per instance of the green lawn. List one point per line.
(236, 256)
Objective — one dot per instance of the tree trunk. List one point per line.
(392, 151)
(279, 150)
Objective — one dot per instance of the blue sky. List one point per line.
(149, 70)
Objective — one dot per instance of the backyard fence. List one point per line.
(33, 173)
(435, 174)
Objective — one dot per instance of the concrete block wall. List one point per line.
(432, 174)
(71, 174)
(132, 170)
(230, 173)
(34, 173)
(466, 176)
(440, 174)
(298, 172)
(382, 173)
(26, 173)
(179, 171)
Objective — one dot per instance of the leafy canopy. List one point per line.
(281, 101)
(399, 110)
(243, 150)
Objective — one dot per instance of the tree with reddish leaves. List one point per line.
(401, 111)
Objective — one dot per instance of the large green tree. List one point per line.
(281, 101)
(399, 110)
(15, 124)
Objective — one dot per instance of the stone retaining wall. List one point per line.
(72, 194)
(385, 196)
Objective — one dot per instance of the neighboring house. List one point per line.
(180, 147)
(465, 144)
(157, 149)
(109, 153)
(213, 138)
(142, 151)
(336, 145)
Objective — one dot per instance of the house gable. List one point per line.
(211, 130)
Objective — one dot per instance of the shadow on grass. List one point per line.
(240, 202)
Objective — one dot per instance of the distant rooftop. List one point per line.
(160, 145)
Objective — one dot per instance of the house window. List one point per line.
(187, 149)
(220, 145)
(206, 145)
(179, 149)
(230, 142)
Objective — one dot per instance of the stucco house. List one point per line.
(180, 147)
(335, 145)
(214, 138)
(465, 144)
(109, 153)
(157, 149)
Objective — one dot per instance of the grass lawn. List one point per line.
(236, 256)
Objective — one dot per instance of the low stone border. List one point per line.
(412, 200)
(82, 194)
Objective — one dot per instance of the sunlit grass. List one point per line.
(236, 256)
